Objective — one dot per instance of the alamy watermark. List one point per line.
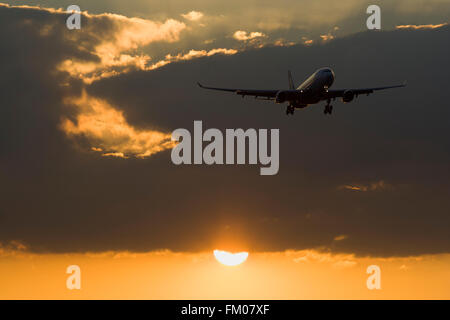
(74, 20)
(213, 153)
(374, 280)
(374, 20)
(74, 280)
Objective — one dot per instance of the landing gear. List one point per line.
(290, 110)
(328, 108)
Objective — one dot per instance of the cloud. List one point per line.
(108, 43)
(327, 37)
(106, 128)
(353, 188)
(193, 15)
(115, 154)
(200, 53)
(287, 20)
(116, 50)
(132, 33)
(340, 237)
(283, 43)
(244, 36)
(37, 8)
(192, 54)
(422, 26)
(375, 186)
(307, 41)
(316, 256)
(12, 248)
(121, 50)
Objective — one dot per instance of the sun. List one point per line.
(230, 259)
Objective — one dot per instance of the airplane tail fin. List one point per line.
(291, 82)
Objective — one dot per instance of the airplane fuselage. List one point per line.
(312, 89)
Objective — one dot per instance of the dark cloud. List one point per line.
(59, 196)
(287, 19)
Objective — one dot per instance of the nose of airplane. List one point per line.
(329, 78)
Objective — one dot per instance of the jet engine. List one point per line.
(286, 95)
(348, 96)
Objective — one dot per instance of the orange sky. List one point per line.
(166, 275)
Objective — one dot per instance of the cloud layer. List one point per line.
(87, 171)
(108, 131)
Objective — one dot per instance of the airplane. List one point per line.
(315, 89)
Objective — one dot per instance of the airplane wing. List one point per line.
(267, 94)
(339, 93)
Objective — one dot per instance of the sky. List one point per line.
(85, 124)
